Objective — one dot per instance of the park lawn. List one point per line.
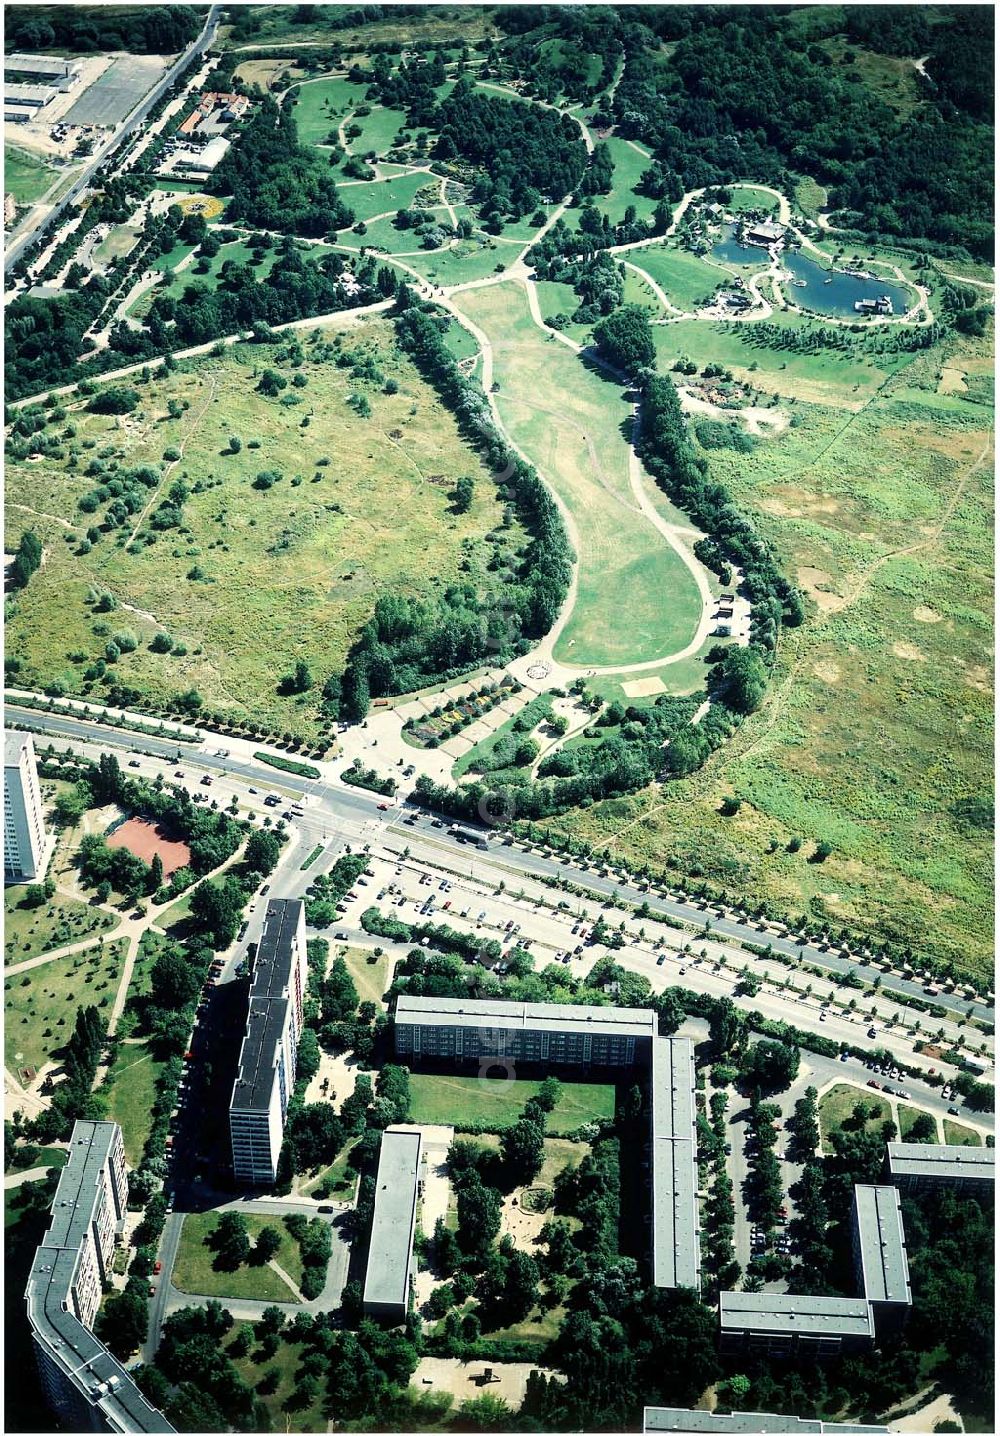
(906, 1116)
(956, 1134)
(130, 1093)
(629, 168)
(26, 176)
(121, 239)
(378, 129)
(450, 1100)
(567, 419)
(194, 1271)
(321, 549)
(265, 72)
(321, 105)
(810, 196)
(686, 279)
(537, 710)
(836, 1106)
(29, 932)
(40, 1005)
(877, 733)
(173, 257)
(468, 259)
(368, 198)
(372, 975)
(555, 298)
(749, 196)
(285, 1363)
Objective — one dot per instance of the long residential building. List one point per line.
(880, 1263)
(83, 1383)
(773, 1324)
(748, 1423)
(25, 849)
(920, 1167)
(462, 1029)
(266, 1074)
(676, 1245)
(390, 1252)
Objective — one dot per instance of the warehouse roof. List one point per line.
(667, 1418)
(389, 1252)
(882, 1244)
(21, 64)
(920, 1159)
(555, 1016)
(28, 94)
(805, 1315)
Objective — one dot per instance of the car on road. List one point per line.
(152, 1291)
(872, 1032)
(179, 773)
(873, 1083)
(157, 1268)
(324, 1209)
(844, 1056)
(822, 1017)
(383, 807)
(133, 762)
(340, 936)
(953, 1112)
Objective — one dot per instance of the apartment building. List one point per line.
(674, 1223)
(266, 1074)
(26, 850)
(921, 1167)
(390, 1253)
(880, 1263)
(773, 1324)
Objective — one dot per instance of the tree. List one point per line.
(924, 1129)
(173, 981)
(231, 1240)
(770, 1066)
(740, 680)
(548, 1094)
(484, 1413)
(523, 1147)
(124, 1319)
(393, 1085)
(267, 1245)
(727, 1026)
(478, 1208)
(464, 491)
(262, 852)
(625, 339)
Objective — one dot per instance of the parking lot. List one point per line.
(116, 92)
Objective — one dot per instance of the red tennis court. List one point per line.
(144, 838)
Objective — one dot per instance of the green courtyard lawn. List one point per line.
(687, 280)
(372, 975)
(339, 1178)
(956, 1134)
(906, 1116)
(323, 543)
(130, 1092)
(568, 420)
(40, 1005)
(26, 176)
(194, 1270)
(836, 1109)
(448, 1100)
(29, 932)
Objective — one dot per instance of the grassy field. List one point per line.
(322, 544)
(284, 1364)
(372, 975)
(956, 1134)
(906, 1118)
(321, 105)
(120, 240)
(629, 165)
(194, 1271)
(686, 280)
(837, 1105)
(447, 1099)
(378, 130)
(40, 1006)
(342, 1178)
(28, 932)
(130, 1093)
(567, 419)
(877, 732)
(468, 259)
(370, 197)
(25, 176)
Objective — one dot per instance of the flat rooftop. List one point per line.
(14, 745)
(670, 1418)
(28, 94)
(268, 1010)
(883, 1244)
(674, 1201)
(390, 1250)
(21, 64)
(779, 1315)
(928, 1159)
(80, 1184)
(672, 1088)
(525, 1016)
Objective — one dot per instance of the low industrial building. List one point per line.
(764, 234)
(266, 1074)
(26, 847)
(880, 1262)
(51, 69)
(748, 1423)
(773, 1324)
(200, 161)
(462, 1029)
(390, 1253)
(675, 1228)
(83, 1383)
(32, 96)
(921, 1167)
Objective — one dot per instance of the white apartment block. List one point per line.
(25, 852)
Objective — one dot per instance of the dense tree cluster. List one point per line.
(787, 108)
(276, 183)
(83, 29)
(27, 558)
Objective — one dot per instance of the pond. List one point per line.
(729, 250)
(828, 292)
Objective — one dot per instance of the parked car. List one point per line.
(382, 807)
(157, 1267)
(953, 1112)
(324, 1209)
(873, 1083)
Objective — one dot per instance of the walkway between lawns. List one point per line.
(637, 601)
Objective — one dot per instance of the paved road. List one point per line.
(138, 115)
(336, 801)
